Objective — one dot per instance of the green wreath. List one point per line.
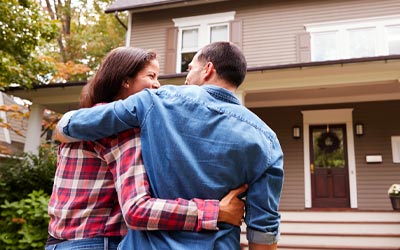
(328, 142)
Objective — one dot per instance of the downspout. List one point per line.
(127, 28)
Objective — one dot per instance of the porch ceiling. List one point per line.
(268, 87)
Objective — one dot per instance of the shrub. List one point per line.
(24, 223)
(19, 176)
(25, 186)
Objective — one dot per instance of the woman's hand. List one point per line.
(231, 208)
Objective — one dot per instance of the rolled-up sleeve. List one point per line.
(263, 198)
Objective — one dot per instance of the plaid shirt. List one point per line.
(94, 180)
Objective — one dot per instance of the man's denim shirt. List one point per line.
(197, 142)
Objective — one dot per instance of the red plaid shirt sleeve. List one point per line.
(141, 212)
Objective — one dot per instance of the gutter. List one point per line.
(139, 6)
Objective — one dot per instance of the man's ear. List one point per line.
(209, 70)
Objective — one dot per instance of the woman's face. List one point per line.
(146, 78)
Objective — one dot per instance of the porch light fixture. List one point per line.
(359, 128)
(296, 132)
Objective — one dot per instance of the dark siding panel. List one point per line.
(381, 121)
(281, 120)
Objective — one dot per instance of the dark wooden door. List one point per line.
(329, 168)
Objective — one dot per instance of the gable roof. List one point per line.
(138, 5)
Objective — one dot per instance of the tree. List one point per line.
(23, 28)
(86, 34)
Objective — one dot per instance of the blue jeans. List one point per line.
(98, 243)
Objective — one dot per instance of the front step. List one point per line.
(351, 230)
(338, 241)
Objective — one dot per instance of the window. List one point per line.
(355, 38)
(197, 31)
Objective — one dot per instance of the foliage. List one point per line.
(31, 55)
(86, 34)
(394, 190)
(23, 28)
(24, 223)
(20, 175)
(25, 187)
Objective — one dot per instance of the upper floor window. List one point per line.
(198, 31)
(355, 38)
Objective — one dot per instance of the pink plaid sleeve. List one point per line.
(141, 212)
(208, 214)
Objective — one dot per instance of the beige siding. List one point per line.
(151, 36)
(269, 27)
(373, 180)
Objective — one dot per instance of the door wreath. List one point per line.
(328, 142)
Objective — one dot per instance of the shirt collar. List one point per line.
(221, 94)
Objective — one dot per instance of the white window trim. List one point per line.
(396, 149)
(203, 24)
(329, 116)
(342, 27)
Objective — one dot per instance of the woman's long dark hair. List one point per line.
(119, 64)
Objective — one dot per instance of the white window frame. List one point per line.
(396, 149)
(203, 23)
(342, 35)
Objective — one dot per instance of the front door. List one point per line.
(329, 168)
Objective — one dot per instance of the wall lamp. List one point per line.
(359, 128)
(296, 132)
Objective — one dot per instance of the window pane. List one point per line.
(393, 33)
(186, 59)
(362, 42)
(324, 46)
(219, 33)
(189, 39)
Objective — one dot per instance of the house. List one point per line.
(12, 138)
(325, 76)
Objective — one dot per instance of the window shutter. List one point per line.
(236, 33)
(171, 50)
(303, 43)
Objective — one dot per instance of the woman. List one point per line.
(101, 186)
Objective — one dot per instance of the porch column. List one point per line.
(32, 141)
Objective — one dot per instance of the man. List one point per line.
(198, 141)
